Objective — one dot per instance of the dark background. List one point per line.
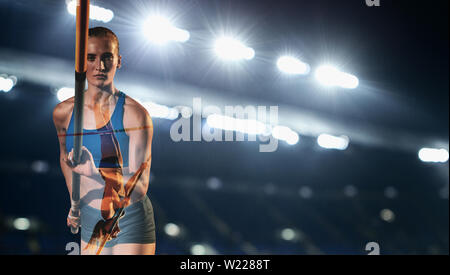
(401, 48)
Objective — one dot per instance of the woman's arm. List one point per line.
(60, 114)
(139, 127)
(86, 167)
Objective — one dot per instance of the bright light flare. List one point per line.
(172, 229)
(203, 249)
(248, 126)
(286, 134)
(292, 65)
(433, 155)
(198, 249)
(22, 224)
(330, 76)
(7, 83)
(160, 111)
(332, 142)
(159, 30)
(288, 234)
(95, 12)
(348, 81)
(387, 215)
(65, 93)
(228, 48)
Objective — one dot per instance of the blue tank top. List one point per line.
(102, 143)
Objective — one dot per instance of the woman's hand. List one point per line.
(73, 221)
(86, 167)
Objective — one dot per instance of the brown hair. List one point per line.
(103, 32)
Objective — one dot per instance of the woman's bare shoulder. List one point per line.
(62, 111)
(135, 112)
(134, 107)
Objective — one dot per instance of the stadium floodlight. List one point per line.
(332, 142)
(95, 12)
(288, 234)
(160, 111)
(248, 126)
(330, 76)
(327, 75)
(159, 30)
(286, 134)
(228, 48)
(7, 83)
(172, 229)
(65, 93)
(203, 249)
(433, 155)
(198, 249)
(21, 223)
(292, 65)
(348, 81)
(387, 215)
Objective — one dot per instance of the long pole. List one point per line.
(82, 27)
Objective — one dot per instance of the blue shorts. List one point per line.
(136, 226)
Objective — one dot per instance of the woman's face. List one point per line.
(102, 61)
